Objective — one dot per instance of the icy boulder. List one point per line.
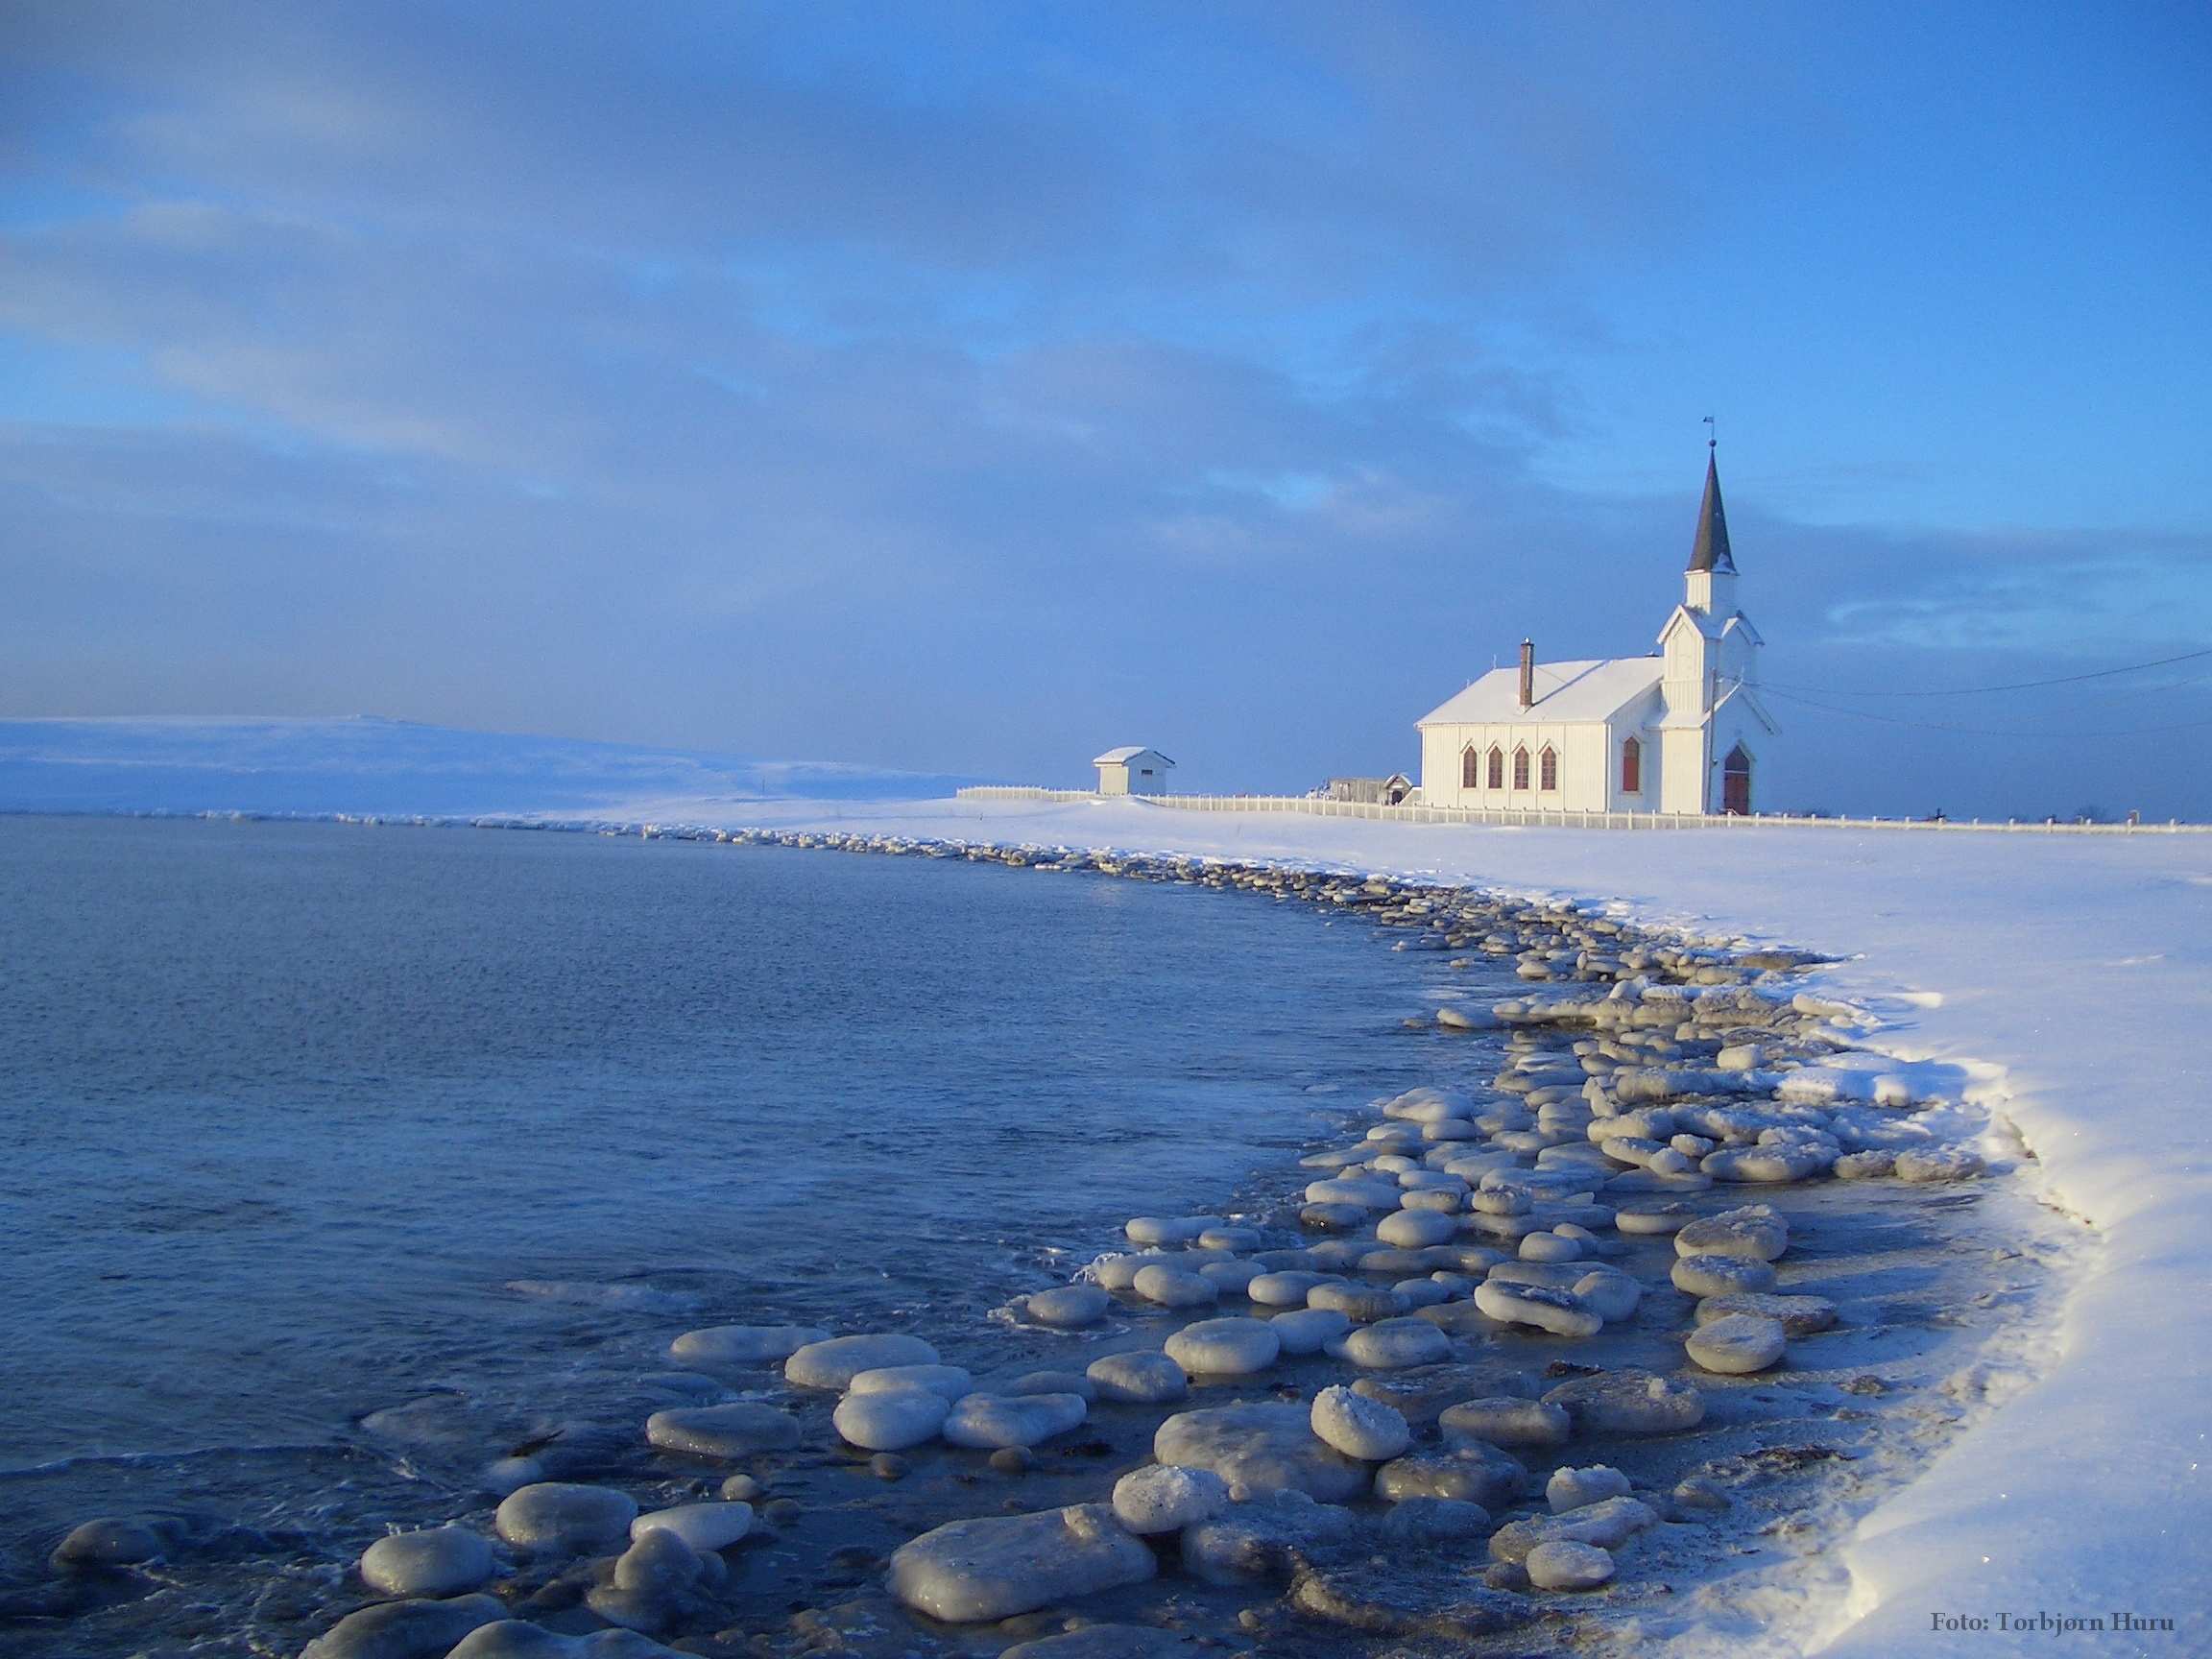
(736, 1430)
(1069, 1306)
(1360, 1427)
(835, 1362)
(992, 1421)
(559, 1515)
(420, 1629)
(1506, 1420)
(1235, 1347)
(890, 1419)
(743, 1344)
(1737, 1344)
(971, 1570)
(1260, 1449)
(437, 1561)
(1138, 1376)
(1754, 1231)
(1263, 1538)
(1629, 1402)
(1162, 1498)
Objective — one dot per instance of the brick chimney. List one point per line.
(1527, 673)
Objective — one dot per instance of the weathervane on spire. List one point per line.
(1712, 438)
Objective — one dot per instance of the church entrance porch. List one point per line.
(1736, 783)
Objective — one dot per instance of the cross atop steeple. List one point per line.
(1710, 551)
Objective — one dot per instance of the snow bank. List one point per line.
(2066, 980)
(382, 768)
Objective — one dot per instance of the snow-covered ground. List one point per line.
(2075, 975)
(372, 767)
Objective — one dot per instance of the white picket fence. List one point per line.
(1554, 818)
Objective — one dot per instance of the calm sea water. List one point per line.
(290, 1109)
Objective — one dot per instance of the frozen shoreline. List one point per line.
(2077, 968)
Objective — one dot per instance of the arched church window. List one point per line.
(1632, 767)
(1469, 762)
(1497, 767)
(1548, 768)
(1520, 768)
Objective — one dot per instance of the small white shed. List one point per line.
(1132, 771)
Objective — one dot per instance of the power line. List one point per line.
(1972, 731)
(2015, 685)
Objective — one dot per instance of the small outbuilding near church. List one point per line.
(1132, 771)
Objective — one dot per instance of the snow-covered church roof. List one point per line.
(1565, 692)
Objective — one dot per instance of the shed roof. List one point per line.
(1122, 756)
(1565, 692)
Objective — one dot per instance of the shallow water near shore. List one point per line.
(313, 1121)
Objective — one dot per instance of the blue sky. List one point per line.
(969, 388)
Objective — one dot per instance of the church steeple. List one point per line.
(1710, 551)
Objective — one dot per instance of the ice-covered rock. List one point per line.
(411, 1629)
(1503, 1420)
(1799, 1315)
(1576, 1488)
(1359, 1427)
(1259, 1449)
(985, 1422)
(970, 1571)
(743, 1344)
(1366, 1192)
(1608, 1524)
(1359, 1302)
(1939, 1163)
(1550, 1247)
(1561, 1312)
(1067, 1307)
(1563, 1564)
(1392, 1344)
(655, 1585)
(1235, 1347)
(949, 1382)
(1284, 1290)
(1737, 1344)
(1411, 1229)
(1262, 1538)
(737, 1430)
(563, 1515)
(1468, 1470)
(1138, 1376)
(1722, 1275)
(1165, 1498)
(436, 1561)
(1308, 1330)
(1754, 1231)
(890, 1419)
(835, 1363)
(1170, 1230)
(1230, 1278)
(515, 1639)
(1872, 1165)
(704, 1527)
(1772, 1164)
(1175, 1286)
(1629, 1402)
(1241, 1239)
(112, 1541)
(1419, 1293)
(1608, 1293)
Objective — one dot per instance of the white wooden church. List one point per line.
(1679, 730)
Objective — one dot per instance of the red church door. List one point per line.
(1736, 783)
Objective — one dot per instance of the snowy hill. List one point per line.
(384, 768)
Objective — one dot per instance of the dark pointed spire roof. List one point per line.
(1710, 552)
